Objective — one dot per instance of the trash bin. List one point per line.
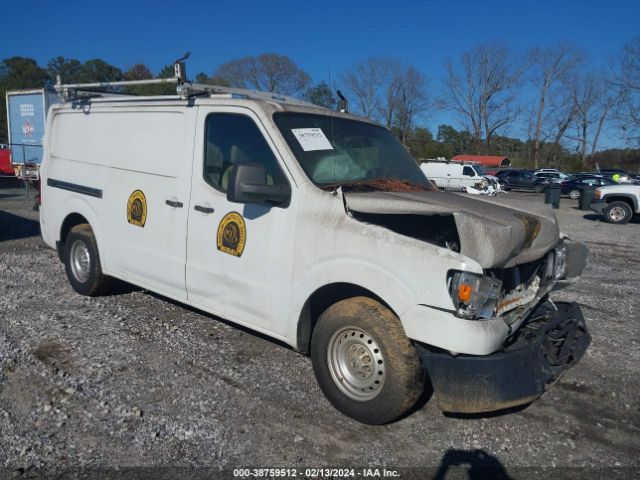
(586, 195)
(552, 195)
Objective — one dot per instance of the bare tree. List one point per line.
(388, 91)
(270, 72)
(628, 80)
(373, 83)
(481, 88)
(552, 66)
(594, 100)
(563, 119)
(412, 100)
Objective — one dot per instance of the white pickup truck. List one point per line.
(318, 229)
(618, 203)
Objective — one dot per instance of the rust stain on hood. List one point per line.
(493, 235)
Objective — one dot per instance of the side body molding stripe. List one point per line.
(74, 187)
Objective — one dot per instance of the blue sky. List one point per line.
(320, 36)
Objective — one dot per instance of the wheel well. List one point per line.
(71, 221)
(626, 200)
(322, 299)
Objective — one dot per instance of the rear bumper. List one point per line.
(547, 344)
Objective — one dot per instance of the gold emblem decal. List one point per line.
(137, 209)
(232, 234)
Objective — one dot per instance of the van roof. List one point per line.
(264, 104)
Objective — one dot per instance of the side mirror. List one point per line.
(248, 184)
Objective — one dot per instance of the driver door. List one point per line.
(239, 256)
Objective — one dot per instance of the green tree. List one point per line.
(201, 77)
(18, 73)
(419, 141)
(142, 72)
(460, 142)
(321, 95)
(269, 72)
(167, 71)
(68, 69)
(138, 71)
(97, 70)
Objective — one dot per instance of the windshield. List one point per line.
(335, 151)
(480, 170)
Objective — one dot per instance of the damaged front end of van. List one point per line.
(503, 341)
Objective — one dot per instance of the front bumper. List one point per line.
(598, 205)
(548, 343)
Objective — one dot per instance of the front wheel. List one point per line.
(538, 188)
(618, 212)
(82, 262)
(364, 363)
(574, 194)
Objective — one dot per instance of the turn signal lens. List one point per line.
(597, 195)
(464, 292)
(474, 296)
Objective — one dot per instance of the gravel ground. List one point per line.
(134, 384)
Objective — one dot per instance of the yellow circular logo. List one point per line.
(232, 234)
(137, 209)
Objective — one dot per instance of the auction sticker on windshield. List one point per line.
(312, 139)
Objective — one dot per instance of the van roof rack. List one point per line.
(184, 88)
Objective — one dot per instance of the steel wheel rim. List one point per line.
(617, 214)
(356, 363)
(80, 261)
(574, 194)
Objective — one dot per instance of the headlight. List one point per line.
(474, 296)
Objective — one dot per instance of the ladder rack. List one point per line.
(184, 89)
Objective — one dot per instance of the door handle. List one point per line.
(174, 204)
(202, 209)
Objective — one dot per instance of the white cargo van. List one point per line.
(318, 229)
(453, 175)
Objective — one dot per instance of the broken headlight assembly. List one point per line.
(474, 296)
(560, 263)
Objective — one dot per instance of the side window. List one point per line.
(468, 171)
(514, 174)
(231, 139)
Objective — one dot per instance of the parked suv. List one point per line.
(523, 179)
(573, 186)
(318, 229)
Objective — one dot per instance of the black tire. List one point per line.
(402, 377)
(94, 283)
(538, 188)
(574, 194)
(618, 212)
(504, 186)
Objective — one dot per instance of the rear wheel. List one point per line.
(538, 188)
(364, 363)
(82, 262)
(618, 212)
(574, 194)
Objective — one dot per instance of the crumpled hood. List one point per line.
(493, 235)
